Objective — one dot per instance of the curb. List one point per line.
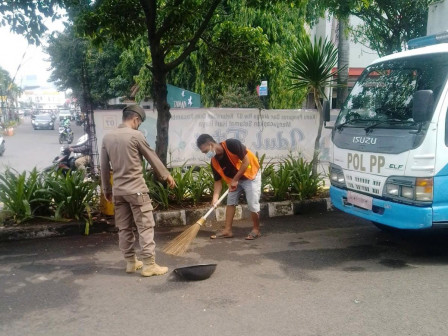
(50, 229)
(167, 219)
(268, 210)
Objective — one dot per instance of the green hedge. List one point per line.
(290, 179)
(56, 196)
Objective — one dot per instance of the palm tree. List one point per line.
(311, 69)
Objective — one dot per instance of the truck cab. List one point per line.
(390, 141)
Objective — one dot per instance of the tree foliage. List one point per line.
(27, 18)
(311, 69)
(239, 97)
(76, 63)
(389, 25)
(9, 91)
(175, 30)
(283, 25)
(208, 46)
(271, 30)
(341, 9)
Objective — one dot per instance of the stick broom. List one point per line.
(179, 245)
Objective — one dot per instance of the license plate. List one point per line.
(360, 200)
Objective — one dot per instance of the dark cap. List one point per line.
(137, 109)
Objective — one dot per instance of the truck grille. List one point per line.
(364, 183)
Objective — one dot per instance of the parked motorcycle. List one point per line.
(63, 162)
(65, 134)
(79, 119)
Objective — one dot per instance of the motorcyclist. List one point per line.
(84, 159)
(66, 122)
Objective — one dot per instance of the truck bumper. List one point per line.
(400, 216)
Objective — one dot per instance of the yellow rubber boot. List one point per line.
(150, 268)
(133, 264)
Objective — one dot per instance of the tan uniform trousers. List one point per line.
(81, 162)
(130, 209)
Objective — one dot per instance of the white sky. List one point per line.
(21, 59)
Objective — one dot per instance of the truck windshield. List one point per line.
(382, 97)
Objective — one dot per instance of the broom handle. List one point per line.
(216, 204)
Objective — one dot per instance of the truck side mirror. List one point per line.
(326, 110)
(423, 103)
(326, 113)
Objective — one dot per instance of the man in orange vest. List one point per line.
(232, 162)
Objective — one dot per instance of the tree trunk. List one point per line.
(89, 122)
(343, 61)
(163, 113)
(319, 132)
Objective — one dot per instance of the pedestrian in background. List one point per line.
(122, 151)
(232, 162)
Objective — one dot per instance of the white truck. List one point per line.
(389, 160)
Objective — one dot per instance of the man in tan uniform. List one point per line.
(122, 150)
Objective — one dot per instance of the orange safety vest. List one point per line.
(251, 170)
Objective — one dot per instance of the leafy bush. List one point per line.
(20, 194)
(266, 171)
(201, 183)
(70, 195)
(193, 185)
(304, 184)
(280, 182)
(184, 179)
(292, 178)
(158, 192)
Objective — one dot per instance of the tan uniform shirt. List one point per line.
(124, 148)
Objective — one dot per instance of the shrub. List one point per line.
(304, 184)
(70, 195)
(183, 177)
(266, 171)
(201, 183)
(158, 192)
(20, 194)
(292, 178)
(280, 182)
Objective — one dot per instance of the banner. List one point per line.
(275, 133)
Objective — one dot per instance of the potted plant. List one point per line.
(8, 127)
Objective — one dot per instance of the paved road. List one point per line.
(326, 274)
(29, 148)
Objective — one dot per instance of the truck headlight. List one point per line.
(408, 189)
(407, 192)
(337, 176)
(424, 189)
(392, 189)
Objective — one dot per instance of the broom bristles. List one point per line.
(179, 245)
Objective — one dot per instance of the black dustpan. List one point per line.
(195, 272)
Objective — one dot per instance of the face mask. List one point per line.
(210, 154)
